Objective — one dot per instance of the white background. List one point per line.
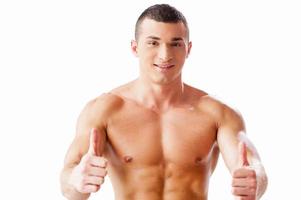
(56, 55)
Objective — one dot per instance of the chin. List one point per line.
(162, 80)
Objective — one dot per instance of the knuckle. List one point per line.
(80, 186)
(98, 180)
(234, 174)
(103, 172)
(253, 191)
(80, 189)
(98, 171)
(252, 173)
(103, 162)
(84, 169)
(85, 158)
(254, 183)
(95, 188)
(85, 180)
(103, 159)
(86, 189)
(233, 182)
(81, 183)
(234, 191)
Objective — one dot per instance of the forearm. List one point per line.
(68, 190)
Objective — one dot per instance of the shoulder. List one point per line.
(107, 101)
(203, 101)
(224, 113)
(215, 107)
(110, 101)
(226, 116)
(100, 108)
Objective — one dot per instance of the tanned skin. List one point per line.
(158, 138)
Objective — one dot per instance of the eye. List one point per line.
(176, 44)
(152, 43)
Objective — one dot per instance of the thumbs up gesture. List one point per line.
(89, 174)
(244, 182)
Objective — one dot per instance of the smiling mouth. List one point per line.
(164, 66)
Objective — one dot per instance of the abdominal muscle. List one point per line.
(160, 182)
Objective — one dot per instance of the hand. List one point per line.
(89, 174)
(244, 182)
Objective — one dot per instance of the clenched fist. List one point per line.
(244, 180)
(89, 174)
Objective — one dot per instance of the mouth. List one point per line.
(164, 66)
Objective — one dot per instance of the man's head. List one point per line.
(161, 44)
(161, 13)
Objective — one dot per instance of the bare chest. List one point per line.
(140, 137)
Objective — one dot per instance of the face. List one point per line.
(162, 49)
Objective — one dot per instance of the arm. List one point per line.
(84, 167)
(249, 179)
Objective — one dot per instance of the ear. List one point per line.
(189, 49)
(134, 47)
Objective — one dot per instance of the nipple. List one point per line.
(127, 159)
(198, 161)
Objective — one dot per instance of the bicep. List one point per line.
(89, 118)
(228, 141)
(230, 132)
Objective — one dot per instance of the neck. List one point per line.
(159, 96)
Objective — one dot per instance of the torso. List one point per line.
(161, 156)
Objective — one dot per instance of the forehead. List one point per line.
(163, 30)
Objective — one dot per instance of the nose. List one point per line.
(164, 53)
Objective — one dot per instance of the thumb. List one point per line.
(94, 142)
(242, 153)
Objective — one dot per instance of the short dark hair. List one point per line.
(161, 13)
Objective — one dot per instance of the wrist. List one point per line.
(68, 189)
(262, 182)
(261, 178)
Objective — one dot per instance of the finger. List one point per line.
(97, 161)
(97, 171)
(94, 141)
(244, 173)
(239, 182)
(94, 180)
(243, 191)
(243, 156)
(243, 182)
(243, 198)
(91, 188)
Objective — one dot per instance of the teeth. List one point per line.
(164, 66)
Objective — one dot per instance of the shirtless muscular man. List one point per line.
(156, 137)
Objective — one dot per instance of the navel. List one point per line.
(127, 159)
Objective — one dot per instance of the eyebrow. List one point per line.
(173, 39)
